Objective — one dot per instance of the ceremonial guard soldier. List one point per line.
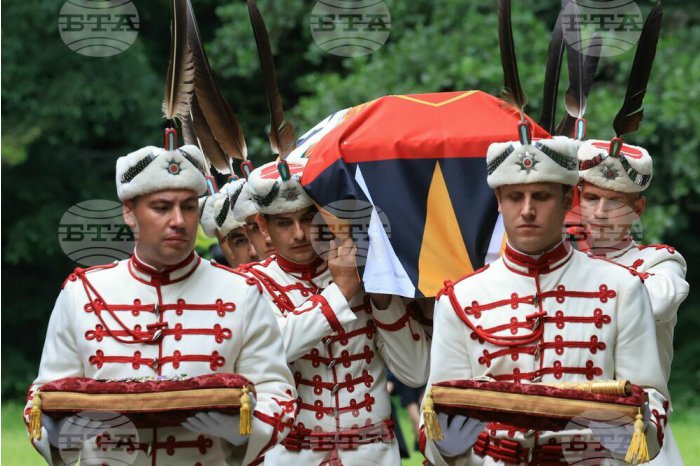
(167, 313)
(543, 312)
(338, 340)
(244, 210)
(216, 216)
(611, 201)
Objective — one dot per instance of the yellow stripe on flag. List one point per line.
(443, 254)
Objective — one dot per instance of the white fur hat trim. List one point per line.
(630, 173)
(244, 206)
(215, 210)
(273, 195)
(152, 169)
(543, 161)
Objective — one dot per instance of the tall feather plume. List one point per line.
(179, 82)
(512, 91)
(630, 115)
(585, 65)
(219, 122)
(555, 54)
(188, 133)
(282, 138)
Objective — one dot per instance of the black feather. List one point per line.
(630, 115)
(555, 54)
(282, 138)
(512, 90)
(580, 86)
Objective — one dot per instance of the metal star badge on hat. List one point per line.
(609, 172)
(527, 162)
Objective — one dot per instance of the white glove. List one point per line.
(615, 435)
(216, 424)
(71, 431)
(459, 435)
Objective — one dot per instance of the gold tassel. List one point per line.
(35, 418)
(638, 452)
(432, 427)
(246, 424)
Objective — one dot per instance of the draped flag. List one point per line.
(420, 161)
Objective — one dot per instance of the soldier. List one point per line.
(216, 216)
(244, 210)
(337, 339)
(611, 201)
(543, 312)
(166, 312)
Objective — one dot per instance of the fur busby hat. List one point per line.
(276, 187)
(152, 169)
(544, 160)
(244, 206)
(628, 172)
(216, 211)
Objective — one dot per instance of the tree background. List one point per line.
(68, 117)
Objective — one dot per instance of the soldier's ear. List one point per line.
(640, 205)
(128, 213)
(262, 224)
(497, 192)
(568, 196)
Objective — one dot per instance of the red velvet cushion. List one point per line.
(531, 406)
(152, 403)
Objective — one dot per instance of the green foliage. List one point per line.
(67, 118)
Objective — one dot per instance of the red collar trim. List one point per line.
(302, 271)
(615, 251)
(174, 273)
(547, 262)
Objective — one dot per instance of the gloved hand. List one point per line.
(71, 431)
(615, 435)
(220, 425)
(459, 435)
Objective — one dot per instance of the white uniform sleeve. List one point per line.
(667, 287)
(59, 359)
(316, 318)
(262, 361)
(402, 343)
(636, 355)
(449, 347)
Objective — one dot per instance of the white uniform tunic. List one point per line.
(561, 317)
(338, 352)
(210, 319)
(663, 270)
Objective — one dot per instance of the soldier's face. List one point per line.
(608, 215)
(241, 248)
(261, 243)
(291, 234)
(533, 214)
(164, 225)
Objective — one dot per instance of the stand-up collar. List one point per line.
(536, 265)
(302, 271)
(174, 273)
(614, 251)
